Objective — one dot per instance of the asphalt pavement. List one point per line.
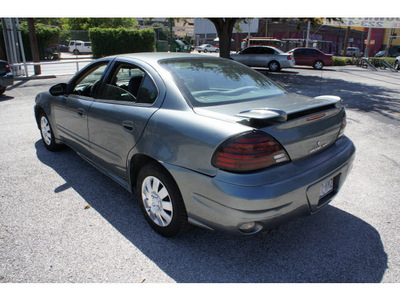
(62, 221)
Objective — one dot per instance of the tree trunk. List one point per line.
(34, 45)
(224, 27)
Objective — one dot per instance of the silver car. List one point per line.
(264, 56)
(206, 48)
(201, 140)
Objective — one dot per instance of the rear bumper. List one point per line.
(6, 80)
(220, 204)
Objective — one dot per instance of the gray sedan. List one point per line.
(201, 140)
(264, 56)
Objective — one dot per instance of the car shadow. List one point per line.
(331, 246)
(4, 97)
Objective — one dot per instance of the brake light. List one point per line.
(289, 57)
(8, 68)
(249, 152)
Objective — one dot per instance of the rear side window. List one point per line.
(130, 83)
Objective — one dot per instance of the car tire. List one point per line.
(217, 50)
(2, 90)
(205, 50)
(318, 65)
(47, 133)
(161, 201)
(76, 51)
(274, 66)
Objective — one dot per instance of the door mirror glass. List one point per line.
(58, 89)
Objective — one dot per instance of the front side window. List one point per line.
(88, 82)
(207, 82)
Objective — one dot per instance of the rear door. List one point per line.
(300, 57)
(118, 117)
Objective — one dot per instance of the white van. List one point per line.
(79, 47)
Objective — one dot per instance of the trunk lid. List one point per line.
(304, 126)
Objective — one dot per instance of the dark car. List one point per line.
(58, 47)
(6, 76)
(311, 57)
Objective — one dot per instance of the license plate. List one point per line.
(326, 188)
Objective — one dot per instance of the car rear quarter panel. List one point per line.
(185, 139)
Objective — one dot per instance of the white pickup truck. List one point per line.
(79, 47)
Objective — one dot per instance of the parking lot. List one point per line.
(61, 220)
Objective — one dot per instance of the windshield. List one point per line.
(207, 81)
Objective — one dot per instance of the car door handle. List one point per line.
(81, 112)
(128, 126)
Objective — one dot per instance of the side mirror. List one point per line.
(58, 89)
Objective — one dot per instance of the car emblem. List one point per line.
(319, 147)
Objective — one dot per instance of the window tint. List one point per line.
(207, 82)
(78, 44)
(86, 84)
(130, 83)
(311, 51)
(299, 51)
(87, 44)
(148, 91)
(267, 51)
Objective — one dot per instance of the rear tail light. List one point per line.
(289, 57)
(342, 126)
(8, 68)
(249, 152)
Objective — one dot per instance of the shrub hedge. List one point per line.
(109, 41)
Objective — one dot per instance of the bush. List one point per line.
(339, 61)
(377, 62)
(108, 41)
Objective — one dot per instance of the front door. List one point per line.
(71, 112)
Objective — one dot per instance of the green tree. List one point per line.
(87, 23)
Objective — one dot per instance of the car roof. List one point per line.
(154, 57)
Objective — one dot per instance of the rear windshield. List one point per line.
(206, 81)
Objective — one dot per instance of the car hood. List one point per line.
(302, 125)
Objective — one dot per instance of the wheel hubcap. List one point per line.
(157, 201)
(45, 128)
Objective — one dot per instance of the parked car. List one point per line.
(58, 47)
(353, 51)
(201, 140)
(6, 76)
(80, 47)
(380, 53)
(397, 63)
(188, 45)
(206, 48)
(264, 56)
(311, 57)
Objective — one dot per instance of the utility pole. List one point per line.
(34, 45)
